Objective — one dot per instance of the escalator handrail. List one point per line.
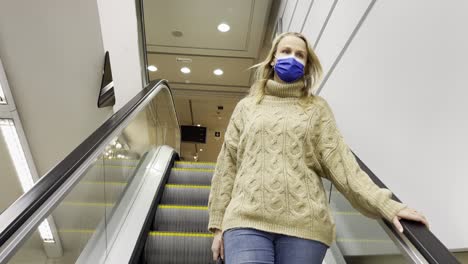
(428, 245)
(18, 213)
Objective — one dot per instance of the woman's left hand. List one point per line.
(410, 214)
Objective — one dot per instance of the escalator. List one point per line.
(124, 196)
(179, 231)
(176, 228)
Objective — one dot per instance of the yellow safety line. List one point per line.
(193, 169)
(87, 204)
(182, 234)
(104, 182)
(191, 162)
(364, 240)
(170, 206)
(188, 186)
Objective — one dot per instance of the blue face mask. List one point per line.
(289, 69)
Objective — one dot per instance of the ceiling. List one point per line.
(184, 34)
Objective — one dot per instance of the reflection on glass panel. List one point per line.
(33, 249)
(153, 126)
(75, 219)
(21, 169)
(156, 125)
(357, 235)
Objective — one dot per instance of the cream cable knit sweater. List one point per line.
(268, 173)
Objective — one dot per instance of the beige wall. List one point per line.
(462, 257)
(397, 85)
(53, 56)
(120, 37)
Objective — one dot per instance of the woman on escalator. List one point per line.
(267, 203)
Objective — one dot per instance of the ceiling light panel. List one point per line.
(8, 130)
(184, 60)
(16, 153)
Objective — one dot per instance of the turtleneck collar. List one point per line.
(278, 89)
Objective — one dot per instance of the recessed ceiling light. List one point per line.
(185, 70)
(152, 68)
(223, 27)
(218, 72)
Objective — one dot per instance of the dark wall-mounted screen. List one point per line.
(193, 134)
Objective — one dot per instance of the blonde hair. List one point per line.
(312, 72)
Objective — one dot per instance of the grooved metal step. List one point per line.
(191, 176)
(181, 218)
(185, 194)
(171, 247)
(179, 232)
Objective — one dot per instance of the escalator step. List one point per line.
(190, 176)
(181, 218)
(178, 247)
(184, 194)
(180, 224)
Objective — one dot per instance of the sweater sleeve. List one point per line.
(341, 167)
(225, 171)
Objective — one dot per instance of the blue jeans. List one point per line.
(248, 245)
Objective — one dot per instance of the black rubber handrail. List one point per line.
(26, 205)
(417, 233)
